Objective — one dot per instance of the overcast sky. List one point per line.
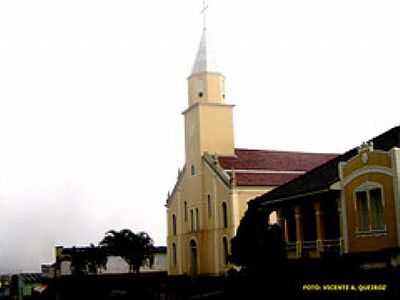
(91, 95)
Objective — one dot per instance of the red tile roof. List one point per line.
(257, 179)
(270, 168)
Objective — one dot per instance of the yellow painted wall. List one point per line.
(192, 137)
(210, 236)
(213, 88)
(216, 134)
(247, 193)
(374, 159)
(370, 242)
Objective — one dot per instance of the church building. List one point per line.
(217, 180)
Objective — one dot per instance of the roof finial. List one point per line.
(204, 12)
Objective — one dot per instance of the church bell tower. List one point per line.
(199, 206)
(206, 83)
(208, 118)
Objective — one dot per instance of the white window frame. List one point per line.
(367, 187)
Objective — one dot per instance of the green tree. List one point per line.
(259, 248)
(132, 247)
(258, 245)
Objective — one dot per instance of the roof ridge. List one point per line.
(285, 151)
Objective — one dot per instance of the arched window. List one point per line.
(273, 218)
(225, 248)
(174, 254)
(185, 212)
(225, 215)
(209, 205)
(173, 224)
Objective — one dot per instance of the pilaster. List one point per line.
(299, 230)
(395, 153)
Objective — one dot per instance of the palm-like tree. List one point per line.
(133, 248)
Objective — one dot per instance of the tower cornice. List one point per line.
(193, 106)
(206, 73)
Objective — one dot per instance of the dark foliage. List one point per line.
(134, 248)
(260, 250)
(257, 244)
(87, 260)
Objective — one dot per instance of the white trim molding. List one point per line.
(345, 228)
(395, 154)
(367, 170)
(366, 187)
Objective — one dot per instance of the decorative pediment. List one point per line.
(366, 146)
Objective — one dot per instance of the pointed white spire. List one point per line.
(205, 58)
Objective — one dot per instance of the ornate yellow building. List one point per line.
(210, 197)
(347, 206)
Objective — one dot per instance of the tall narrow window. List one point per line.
(378, 222)
(225, 248)
(185, 212)
(193, 170)
(174, 254)
(370, 209)
(225, 215)
(191, 220)
(197, 219)
(223, 88)
(200, 88)
(173, 224)
(209, 205)
(193, 257)
(362, 211)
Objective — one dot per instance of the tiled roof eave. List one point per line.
(290, 198)
(261, 186)
(215, 166)
(272, 160)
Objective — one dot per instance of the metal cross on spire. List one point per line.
(204, 12)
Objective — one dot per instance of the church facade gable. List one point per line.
(202, 211)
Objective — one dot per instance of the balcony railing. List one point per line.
(320, 246)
